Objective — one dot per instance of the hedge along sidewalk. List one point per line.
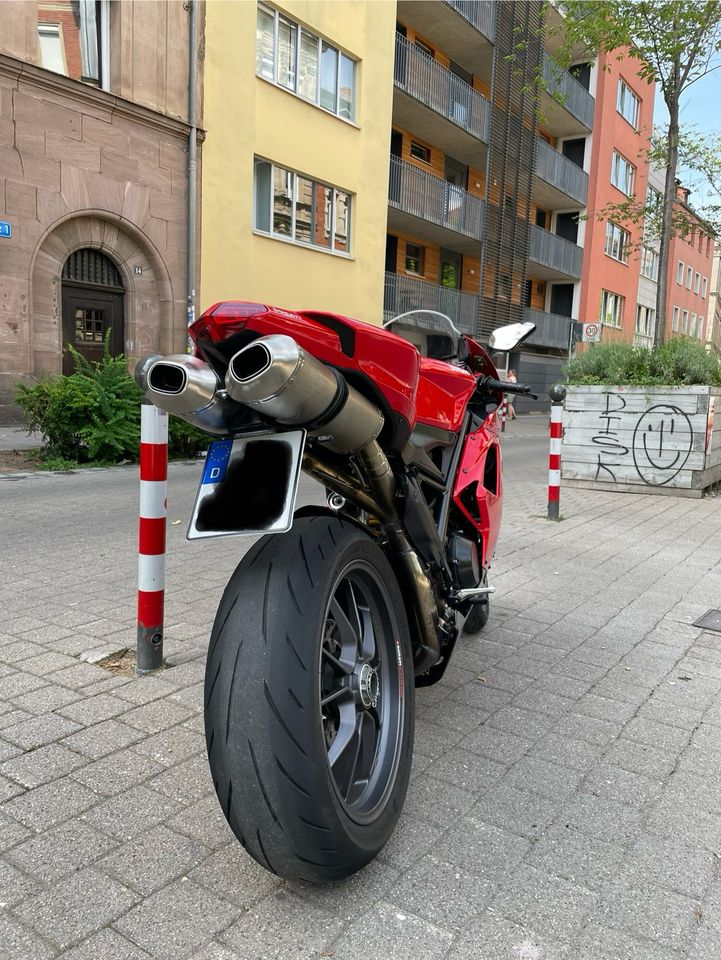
(642, 439)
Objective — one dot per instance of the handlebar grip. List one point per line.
(506, 386)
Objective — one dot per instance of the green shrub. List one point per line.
(93, 416)
(677, 362)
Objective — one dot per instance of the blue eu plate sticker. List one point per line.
(216, 461)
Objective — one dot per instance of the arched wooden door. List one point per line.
(92, 305)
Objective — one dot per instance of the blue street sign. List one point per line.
(6, 229)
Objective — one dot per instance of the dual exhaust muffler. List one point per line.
(275, 377)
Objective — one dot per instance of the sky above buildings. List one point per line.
(700, 108)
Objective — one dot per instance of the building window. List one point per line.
(504, 286)
(611, 309)
(628, 104)
(696, 282)
(617, 241)
(674, 322)
(622, 173)
(689, 277)
(72, 38)
(699, 331)
(301, 62)
(679, 272)
(692, 326)
(649, 263)
(645, 320)
(419, 152)
(684, 322)
(704, 284)
(293, 207)
(414, 258)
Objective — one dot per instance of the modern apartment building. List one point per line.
(646, 298)
(690, 265)
(94, 139)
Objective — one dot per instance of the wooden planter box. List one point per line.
(661, 440)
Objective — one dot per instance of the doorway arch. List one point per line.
(93, 306)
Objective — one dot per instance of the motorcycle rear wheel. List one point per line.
(309, 700)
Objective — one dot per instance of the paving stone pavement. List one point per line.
(566, 793)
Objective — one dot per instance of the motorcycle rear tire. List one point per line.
(278, 646)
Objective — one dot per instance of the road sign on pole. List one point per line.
(591, 332)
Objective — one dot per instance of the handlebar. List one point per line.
(506, 386)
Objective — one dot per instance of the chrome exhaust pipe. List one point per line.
(276, 377)
(185, 386)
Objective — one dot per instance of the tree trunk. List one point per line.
(669, 196)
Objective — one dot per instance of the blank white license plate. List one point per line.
(249, 486)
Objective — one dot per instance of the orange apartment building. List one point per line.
(612, 258)
(690, 266)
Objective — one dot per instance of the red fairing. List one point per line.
(443, 392)
(391, 362)
(479, 446)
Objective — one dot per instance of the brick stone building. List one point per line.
(93, 181)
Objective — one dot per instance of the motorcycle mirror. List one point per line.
(508, 338)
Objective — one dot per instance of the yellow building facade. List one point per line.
(297, 110)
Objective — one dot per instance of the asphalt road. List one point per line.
(70, 512)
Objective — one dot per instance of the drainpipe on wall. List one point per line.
(192, 8)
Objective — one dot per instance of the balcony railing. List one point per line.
(552, 329)
(401, 293)
(423, 78)
(416, 192)
(556, 253)
(575, 98)
(560, 172)
(480, 13)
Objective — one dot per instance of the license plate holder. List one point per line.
(248, 486)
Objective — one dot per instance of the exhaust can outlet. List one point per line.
(277, 378)
(185, 386)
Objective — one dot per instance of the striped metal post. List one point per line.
(151, 536)
(557, 393)
(503, 412)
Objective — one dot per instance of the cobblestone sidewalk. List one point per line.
(566, 796)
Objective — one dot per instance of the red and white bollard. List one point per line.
(557, 394)
(151, 536)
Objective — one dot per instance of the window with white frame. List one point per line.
(689, 277)
(679, 272)
(622, 173)
(288, 54)
(649, 263)
(692, 326)
(617, 242)
(674, 321)
(704, 287)
(645, 319)
(294, 207)
(699, 329)
(696, 282)
(684, 322)
(611, 308)
(627, 103)
(73, 39)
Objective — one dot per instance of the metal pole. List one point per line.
(504, 403)
(151, 536)
(557, 393)
(192, 165)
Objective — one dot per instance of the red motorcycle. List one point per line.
(338, 611)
